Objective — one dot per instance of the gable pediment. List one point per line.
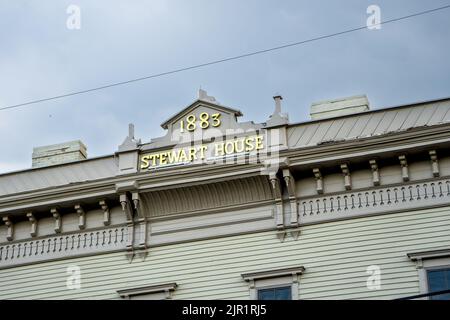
(199, 106)
(203, 119)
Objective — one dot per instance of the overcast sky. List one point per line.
(404, 62)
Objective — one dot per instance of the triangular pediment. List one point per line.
(203, 119)
(197, 104)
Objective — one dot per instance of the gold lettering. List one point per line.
(202, 151)
(192, 153)
(145, 163)
(163, 158)
(173, 156)
(259, 144)
(249, 144)
(220, 149)
(236, 143)
(229, 144)
(182, 155)
(153, 157)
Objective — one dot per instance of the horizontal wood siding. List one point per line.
(335, 255)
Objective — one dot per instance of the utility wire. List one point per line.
(222, 60)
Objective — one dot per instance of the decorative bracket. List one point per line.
(375, 173)
(81, 216)
(276, 186)
(106, 213)
(57, 218)
(434, 163)
(347, 178)
(319, 180)
(126, 207)
(290, 186)
(404, 165)
(142, 224)
(10, 226)
(33, 221)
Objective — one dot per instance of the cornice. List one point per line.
(424, 137)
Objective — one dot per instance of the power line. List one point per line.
(222, 60)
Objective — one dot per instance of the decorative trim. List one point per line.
(274, 278)
(375, 173)
(347, 178)
(63, 246)
(10, 226)
(420, 194)
(81, 216)
(167, 288)
(57, 217)
(272, 273)
(106, 213)
(33, 221)
(429, 260)
(290, 186)
(404, 165)
(431, 254)
(319, 180)
(276, 187)
(434, 163)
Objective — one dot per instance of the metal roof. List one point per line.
(59, 175)
(370, 123)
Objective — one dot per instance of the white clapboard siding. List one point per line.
(335, 255)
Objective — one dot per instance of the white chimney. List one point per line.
(339, 107)
(58, 153)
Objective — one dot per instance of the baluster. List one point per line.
(426, 191)
(441, 193)
(403, 194)
(418, 192)
(6, 252)
(359, 200)
(91, 239)
(433, 192)
(116, 235)
(353, 201)
(318, 206)
(374, 204)
(396, 195)
(367, 199)
(324, 200)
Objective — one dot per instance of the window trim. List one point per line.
(166, 288)
(429, 260)
(274, 278)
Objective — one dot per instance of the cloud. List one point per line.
(403, 62)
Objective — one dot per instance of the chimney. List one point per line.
(58, 154)
(339, 107)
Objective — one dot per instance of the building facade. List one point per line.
(352, 204)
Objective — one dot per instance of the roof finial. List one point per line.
(203, 95)
(131, 131)
(130, 143)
